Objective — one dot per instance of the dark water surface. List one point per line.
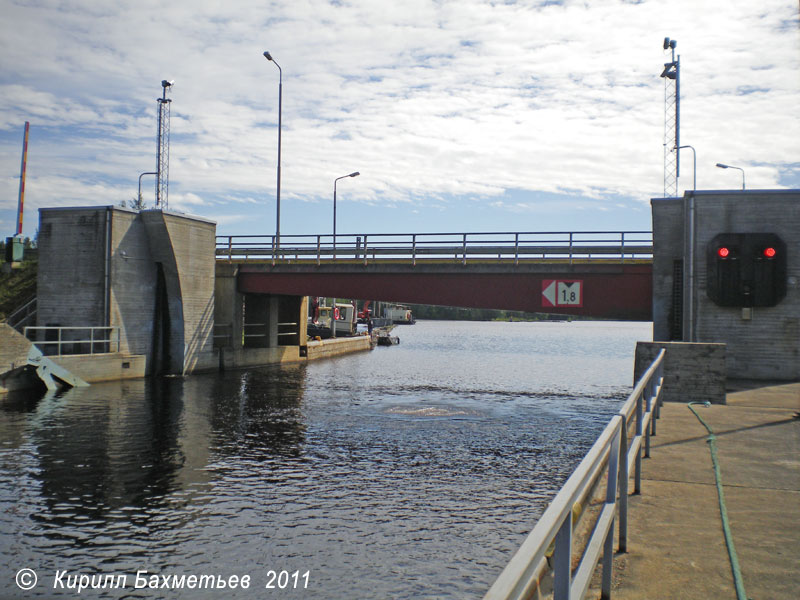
(412, 471)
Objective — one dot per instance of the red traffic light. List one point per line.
(770, 252)
(723, 252)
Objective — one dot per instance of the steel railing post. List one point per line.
(637, 486)
(562, 560)
(570, 248)
(365, 249)
(516, 249)
(648, 401)
(319, 249)
(623, 487)
(614, 459)
(464, 250)
(414, 250)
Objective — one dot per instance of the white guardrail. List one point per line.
(458, 247)
(614, 455)
(61, 341)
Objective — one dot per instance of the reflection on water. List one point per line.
(413, 471)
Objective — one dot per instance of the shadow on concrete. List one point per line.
(724, 433)
(745, 385)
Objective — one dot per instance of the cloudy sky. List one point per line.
(461, 115)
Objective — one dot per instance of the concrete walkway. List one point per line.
(676, 543)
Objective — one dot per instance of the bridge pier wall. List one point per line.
(257, 329)
(763, 343)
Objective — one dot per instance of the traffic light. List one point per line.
(746, 269)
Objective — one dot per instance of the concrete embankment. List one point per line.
(22, 365)
(16, 372)
(676, 546)
(338, 346)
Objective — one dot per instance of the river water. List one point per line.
(412, 471)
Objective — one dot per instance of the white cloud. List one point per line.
(429, 100)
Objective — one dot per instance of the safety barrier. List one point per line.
(20, 318)
(60, 341)
(613, 454)
(259, 330)
(619, 246)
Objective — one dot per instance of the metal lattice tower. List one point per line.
(672, 120)
(162, 149)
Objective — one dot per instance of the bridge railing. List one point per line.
(613, 455)
(457, 247)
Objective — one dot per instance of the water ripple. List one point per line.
(409, 473)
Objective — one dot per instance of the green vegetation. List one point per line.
(17, 286)
(454, 313)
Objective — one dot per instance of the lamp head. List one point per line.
(721, 166)
(166, 84)
(356, 174)
(666, 43)
(267, 55)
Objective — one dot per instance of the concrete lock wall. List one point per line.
(132, 282)
(73, 271)
(153, 275)
(692, 372)
(149, 273)
(763, 342)
(184, 246)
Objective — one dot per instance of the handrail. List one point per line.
(20, 316)
(64, 337)
(621, 246)
(521, 576)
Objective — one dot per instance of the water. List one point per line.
(412, 471)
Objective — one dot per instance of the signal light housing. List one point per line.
(746, 269)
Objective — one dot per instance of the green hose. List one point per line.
(711, 439)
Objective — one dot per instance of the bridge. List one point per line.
(606, 274)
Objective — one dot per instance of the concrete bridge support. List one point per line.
(252, 328)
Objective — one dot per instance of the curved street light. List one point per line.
(721, 166)
(354, 174)
(140, 204)
(694, 172)
(268, 56)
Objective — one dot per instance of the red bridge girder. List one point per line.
(610, 291)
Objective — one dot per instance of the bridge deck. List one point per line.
(600, 274)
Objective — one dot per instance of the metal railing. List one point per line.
(223, 335)
(568, 246)
(23, 315)
(613, 454)
(292, 325)
(260, 330)
(61, 341)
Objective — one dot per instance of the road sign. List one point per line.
(560, 292)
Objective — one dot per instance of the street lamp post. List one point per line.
(355, 174)
(689, 299)
(268, 56)
(694, 168)
(140, 205)
(721, 166)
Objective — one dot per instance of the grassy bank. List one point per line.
(17, 286)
